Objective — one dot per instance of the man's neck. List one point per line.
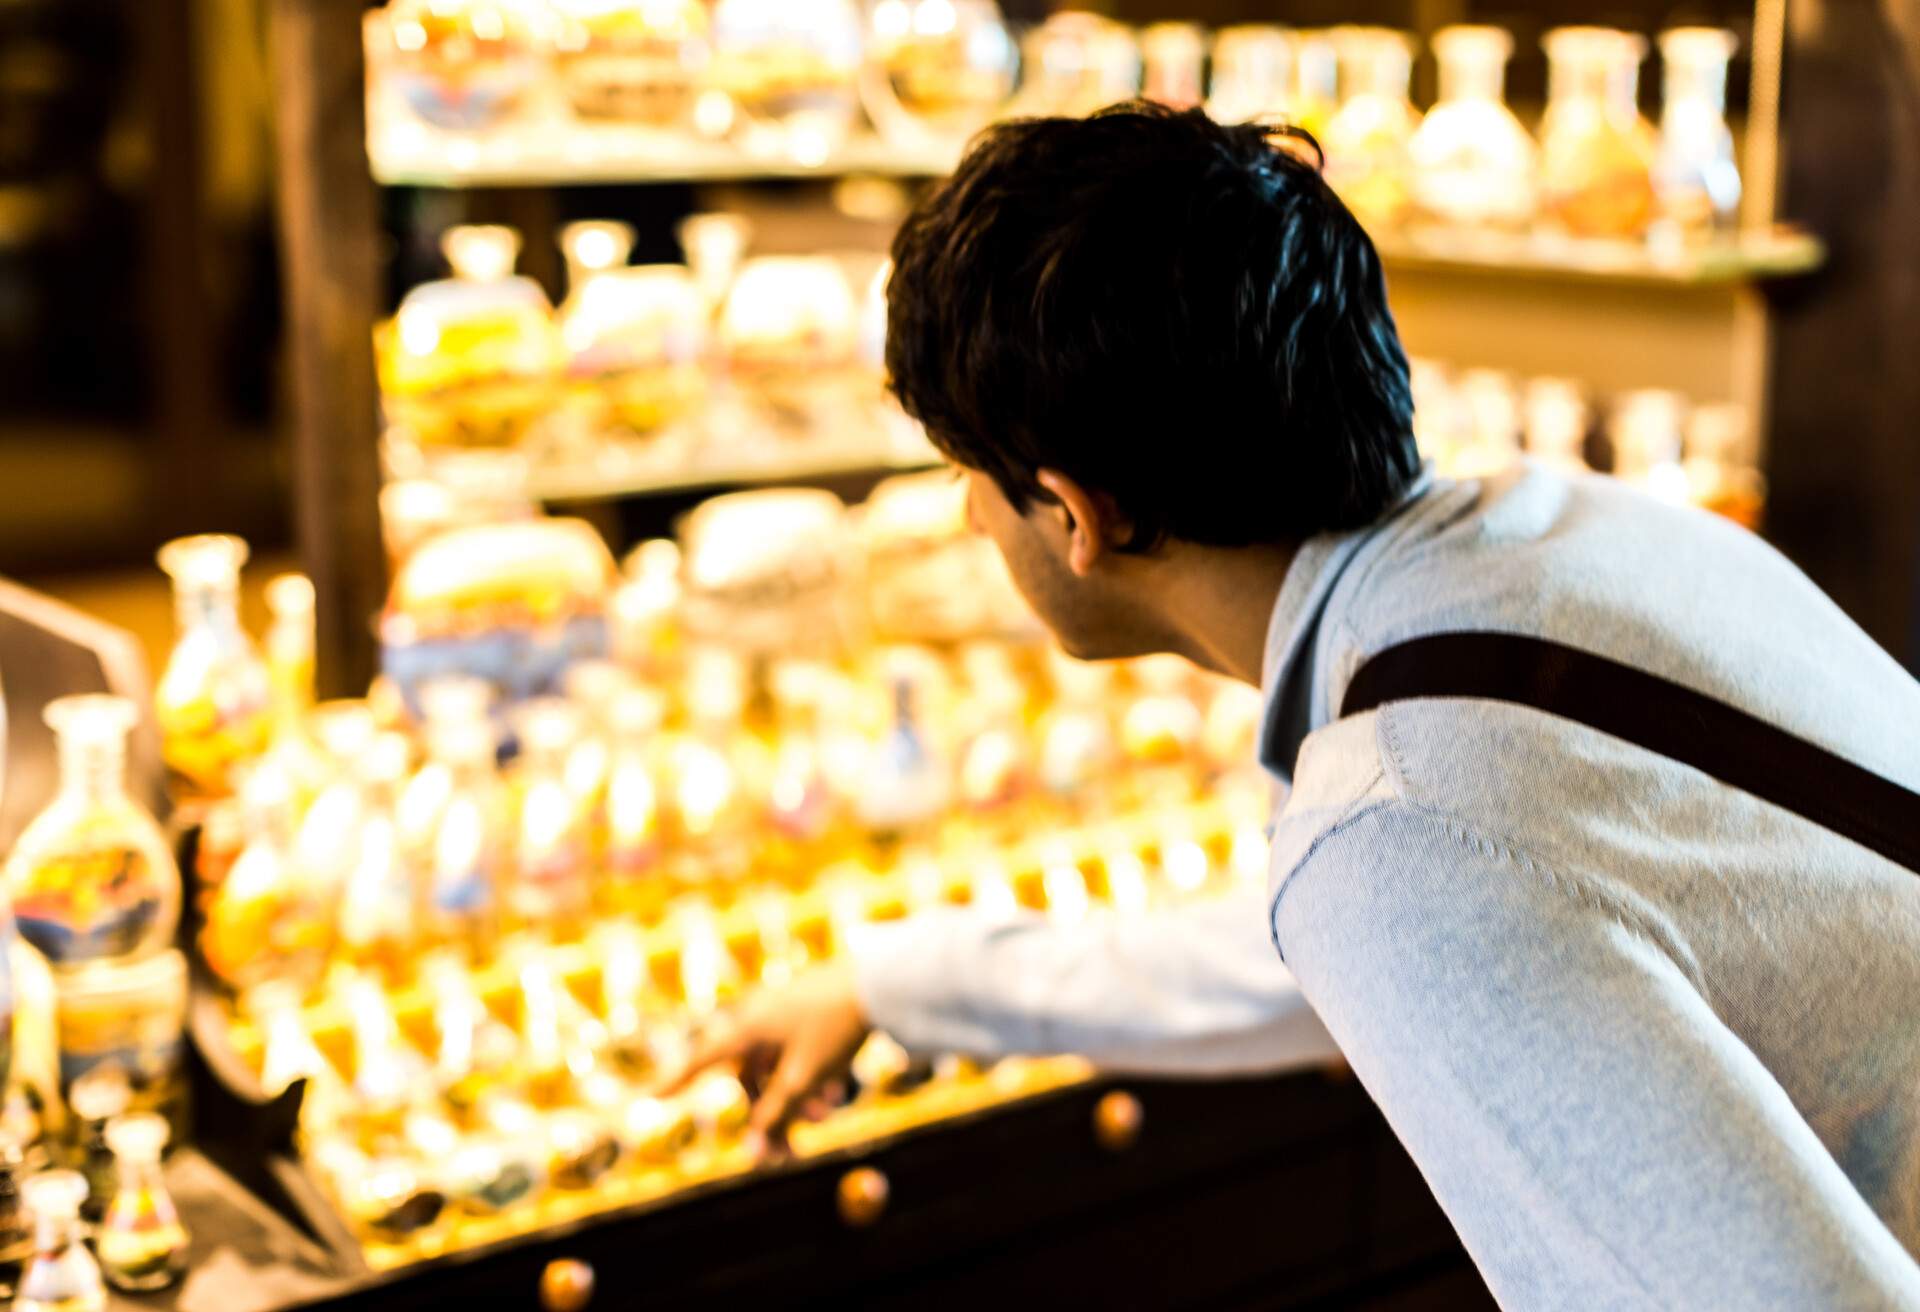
(1216, 604)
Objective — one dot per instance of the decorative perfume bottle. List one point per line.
(1367, 140)
(1473, 164)
(1647, 442)
(1172, 57)
(1316, 81)
(471, 843)
(91, 877)
(552, 871)
(936, 70)
(469, 361)
(1695, 178)
(62, 1275)
(377, 901)
(791, 68)
(212, 700)
(292, 751)
(266, 919)
(141, 1243)
(1252, 73)
(1596, 152)
(463, 65)
(908, 784)
(1075, 63)
(635, 338)
(637, 61)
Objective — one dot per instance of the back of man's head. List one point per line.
(1176, 313)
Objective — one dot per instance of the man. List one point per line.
(1654, 1042)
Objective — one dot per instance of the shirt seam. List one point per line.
(1567, 882)
(1363, 804)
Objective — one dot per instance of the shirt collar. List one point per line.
(1287, 673)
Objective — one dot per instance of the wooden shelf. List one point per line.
(613, 472)
(546, 154)
(1743, 257)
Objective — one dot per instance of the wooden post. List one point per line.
(1843, 461)
(329, 250)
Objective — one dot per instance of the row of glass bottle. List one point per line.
(721, 349)
(138, 1241)
(1476, 422)
(509, 1093)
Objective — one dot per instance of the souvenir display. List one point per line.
(1596, 152)
(463, 65)
(1695, 179)
(1473, 164)
(633, 61)
(791, 69)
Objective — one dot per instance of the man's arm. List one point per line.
(1596, 1133)
(1188, 989)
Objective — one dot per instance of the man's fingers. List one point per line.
(723, 1042)
(792, 1080)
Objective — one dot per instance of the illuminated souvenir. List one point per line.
(212, 699)
(553, 850)
(1473, 164)
(1367, 140)
(638, 61)
(635, 338)
(1596, 152)
(1075, 63)
(141, 1242)
(1172, 58)
(936, 70)
(1252, 74)
(458, 64)
(1695, 178)
(62, 1275)
(791, 69)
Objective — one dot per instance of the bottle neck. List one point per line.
(92, 769)
(1701, 84)
(1478, 78)
(55, 1233)
(203, 606)
(1614, 83)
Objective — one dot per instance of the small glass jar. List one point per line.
(789, 331)
(763, 569)
(1491, 401)
(266, 920)
(1473, 164)
(791, 69)
(633, 838)
(1695, 178)
(471, 844)
(1173, 58)
(92, 878)
(376, 902)
(1075, 63)
(1556, 424)
(633, 61)
(1646, 432)
(1722, 471)
(635, 338)
(1316, 81)
(62, 1275)
(1596, 152)
(552, 884)
(141, 1242)
(212, 701)
(464, 65)
(469, 361)
(936, 70)
(1368, 138)
(1252, 74)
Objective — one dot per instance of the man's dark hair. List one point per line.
(1177, 313)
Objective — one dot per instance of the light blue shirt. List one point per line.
(1653, 1043)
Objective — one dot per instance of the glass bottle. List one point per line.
(1556, 424)
(376, 918)
(1078, 748)
(1367, 139)
(714, 246)
(1721, 470)
(212, 700)
(1492, 404)
(1075, 63)
(92, 878)
(789, 330)
(1316, 82)
(469, 361)
(552, 885)
(635, 338)
(936, 70)
(1695, 178)
(791, 69)
(463, 65)
(1473, 164)
(633, 839)
(289, 650)
(327, 844)
(1647, 444)
(142, 1244)
(1252, 73)
(1596, 152)
(471, 842)
(447, 702)
(634, 61)
(389, 1075)
(908, 783)
(1172, 57)
(62, 1275)
(266, 919)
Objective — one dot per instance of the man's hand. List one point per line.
(804, 1033)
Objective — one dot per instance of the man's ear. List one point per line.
(1094, 523)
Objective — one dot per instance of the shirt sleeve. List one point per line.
(1190, 989)
(1598, 1136)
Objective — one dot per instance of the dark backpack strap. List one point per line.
(1657, 714)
